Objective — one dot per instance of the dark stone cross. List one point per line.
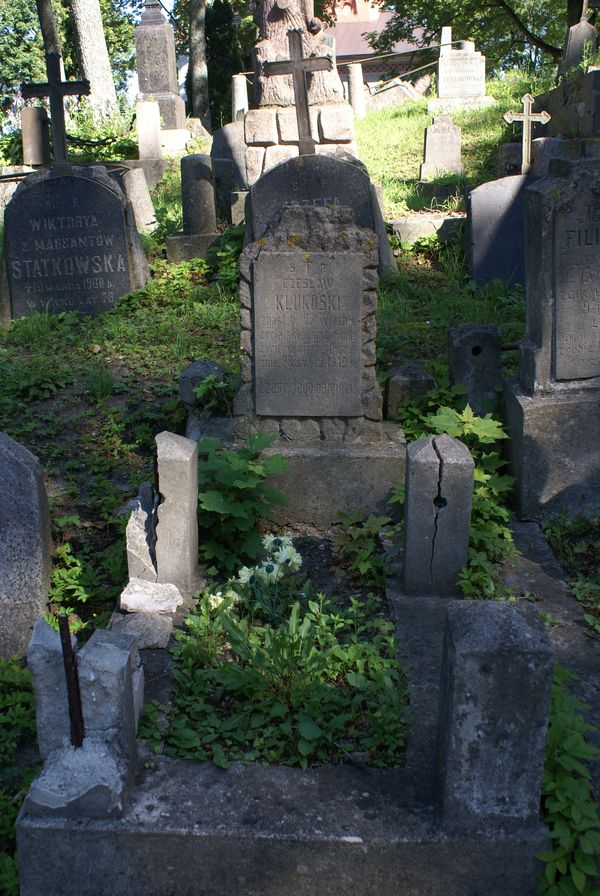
(527, 116)
(56, 90)
(298, 67)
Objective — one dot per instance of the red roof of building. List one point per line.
(349, 40)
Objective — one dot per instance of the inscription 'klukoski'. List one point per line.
(307, 334)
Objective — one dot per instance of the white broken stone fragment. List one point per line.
(150, 597)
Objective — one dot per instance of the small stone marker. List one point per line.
(437, 514)
(239, 96)
(298, 68)
(199, 211)
(25, 546)
(356, 90)
(475, 362)
(528, 117)
(69, 243)
(56, 90)
(177, 527)
(554, 408)
(157, 65)
(494, 712)
(442, 149)
(405, 383)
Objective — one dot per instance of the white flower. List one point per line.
(215, 600)
(269, 572)
(289, 558)
(245, 574)
(231, 595)
(273, 543)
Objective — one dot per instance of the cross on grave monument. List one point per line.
(56, 90)
(527, 116)
(298, 67)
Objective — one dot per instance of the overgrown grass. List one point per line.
(391, 142)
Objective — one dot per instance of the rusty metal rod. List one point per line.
(73, 692)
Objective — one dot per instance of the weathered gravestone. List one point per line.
(442, 149)
(71, 243)
(308, 338)
(156, 65)
(460, 76)
(496, 230)
(25, 546)
(553, 409)
(581, 39)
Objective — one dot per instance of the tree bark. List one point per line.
(93, 55)
(48, 26)
(198, 68)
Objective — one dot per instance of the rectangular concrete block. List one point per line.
(437, 514)
(260, 127)
(494, 707)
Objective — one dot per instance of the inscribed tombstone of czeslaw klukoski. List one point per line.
(68, 244)
(307, 334)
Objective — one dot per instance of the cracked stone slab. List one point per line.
(140, 596)
(150, 630)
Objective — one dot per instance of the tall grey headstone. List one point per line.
(460, 76)
(442, 149)
(553, 409)
(157, 65)
(437, 514)
(71, 243)
(494, 710)
(25, 546)
(581, 37)
(308, 303)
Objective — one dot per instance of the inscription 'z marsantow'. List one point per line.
(307, 334)
(577, 299)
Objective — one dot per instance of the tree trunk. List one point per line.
(93, 55)
(48, 26)
(198, 68)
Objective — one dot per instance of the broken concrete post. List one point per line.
(140, 535)
(405, 383)
(111, 680)
(475, 362)
(494, 709)
(437, 514)
(177, 528)
(95, 779)
(46, 667)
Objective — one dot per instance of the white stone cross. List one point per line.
(527, 116)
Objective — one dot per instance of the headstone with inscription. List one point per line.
(308, 302)
(460, 76)
(70, 243)
(553, 409)
(442, 149)
(157, 66)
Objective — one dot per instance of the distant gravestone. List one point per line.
(25, 546)
(475, 362)
(581, 38)
(156, 65)
(460, 76)
(553, 410)
(71, 243)
(199, 210)
(442, 149)
(496, 230)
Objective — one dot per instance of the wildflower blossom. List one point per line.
(269, 572)
(289, 558)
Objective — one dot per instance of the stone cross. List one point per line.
(527, 116)
(56, 90)
(298, 66)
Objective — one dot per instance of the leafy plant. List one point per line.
(323, 686)
(356, 547)
(575, 542)
(568, 804)
(233, 498)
